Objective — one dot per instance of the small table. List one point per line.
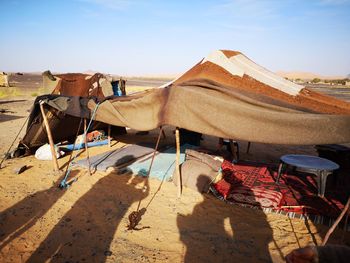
(311, 164)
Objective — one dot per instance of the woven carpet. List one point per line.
(299, 191)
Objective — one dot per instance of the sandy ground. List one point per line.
(88, 222)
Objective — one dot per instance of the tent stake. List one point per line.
(177, 167)
(49, 135)
(86, 147)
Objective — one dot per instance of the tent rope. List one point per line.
(8, 151)
(64, 184)
(151, 164)
(135, 216)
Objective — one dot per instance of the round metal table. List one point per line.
(318, 166)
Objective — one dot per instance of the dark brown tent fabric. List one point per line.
(306, 98)
(75, 84)
(63, 126)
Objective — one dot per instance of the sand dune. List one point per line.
(306, 75)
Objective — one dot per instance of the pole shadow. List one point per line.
(85, 232)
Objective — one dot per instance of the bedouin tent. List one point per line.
(225, 95)
(63, 126)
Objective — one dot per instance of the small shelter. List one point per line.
(4, 81)
(64, 127)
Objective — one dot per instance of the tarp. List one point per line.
(163, 166)
(136, 159)
(116, 158)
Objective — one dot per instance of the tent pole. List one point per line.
(248, 147)
(234, 150)
(177, 167)
(109, 135)
(86, 147)
(163, 133)
(49, 135)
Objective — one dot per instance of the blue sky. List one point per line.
(137, 37)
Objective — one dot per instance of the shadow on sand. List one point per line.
(17, 219)
(85, 232)
(208, 240)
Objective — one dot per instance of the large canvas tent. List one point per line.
(225, 95)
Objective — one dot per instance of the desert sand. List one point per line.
(88, 222)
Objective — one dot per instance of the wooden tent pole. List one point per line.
(163, 133)
(49, 136)
(177, 167)
(248, 147)
(233, 150)
(86, 147)
(331, 230)
(109, 135)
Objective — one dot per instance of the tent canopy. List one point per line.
(225, 95)
(228, 95)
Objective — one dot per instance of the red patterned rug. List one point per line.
(253, 184)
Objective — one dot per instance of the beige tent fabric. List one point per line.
(214, 109)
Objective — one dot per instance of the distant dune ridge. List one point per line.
(306, 75)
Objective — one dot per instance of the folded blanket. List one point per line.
(255, 196)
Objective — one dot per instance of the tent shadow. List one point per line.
(6, 117)
(17, 219)
(86, 231)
